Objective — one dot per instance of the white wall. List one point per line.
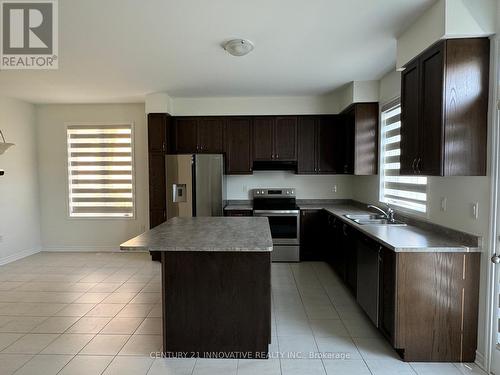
(19, 209)
(307, 187)
(59, 232)
(255, 105)
(446, 19)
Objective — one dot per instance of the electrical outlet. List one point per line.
(334, 188)
(443, 204)
(475, 210)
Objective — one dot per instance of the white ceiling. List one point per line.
(121, 50)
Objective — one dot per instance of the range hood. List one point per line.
(275, 165)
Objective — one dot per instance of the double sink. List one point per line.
(373, 219)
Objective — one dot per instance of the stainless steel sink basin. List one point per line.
(374, 219)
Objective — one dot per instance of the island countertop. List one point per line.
(205, 234)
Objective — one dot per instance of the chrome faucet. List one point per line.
(389, 214)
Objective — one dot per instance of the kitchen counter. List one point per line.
(216, 285)
(205, 234)
(409, 238)
(237, 207)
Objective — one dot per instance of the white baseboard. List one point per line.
(19, 255)
(480, 360)
(92, 249)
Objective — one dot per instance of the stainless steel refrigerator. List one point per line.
(195, 185)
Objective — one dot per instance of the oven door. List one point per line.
(285, 228)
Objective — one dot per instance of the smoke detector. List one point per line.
(238, 47)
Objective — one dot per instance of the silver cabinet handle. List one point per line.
(418, 165)
(413, 165)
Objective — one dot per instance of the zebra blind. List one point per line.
(100, 170)
(408, 192)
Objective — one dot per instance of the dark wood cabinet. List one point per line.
(238, 145)
(316, 151)
(326, 152)
(186, 135)
(285, 138)
(358, 140)
(444, 109)
(263, 130)
(387, 294)
(157, 132)
(410, 117)
(159, 125)
(275, 138)
(313, 225)
(210, 135)
(199, 135)
(307, 134)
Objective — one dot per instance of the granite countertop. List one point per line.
(206, 234)
(409, 238)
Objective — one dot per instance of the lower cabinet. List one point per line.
(424, 303)
(387, 294)
(313, 225)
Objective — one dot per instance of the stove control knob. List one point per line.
(288, 192)
(257, 192)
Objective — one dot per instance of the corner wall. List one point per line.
(59, 231)
(19, 204)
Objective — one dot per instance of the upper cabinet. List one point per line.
(316, 144)
(444, 109)
(199, 135)
(238, 145)
(358, 146)
(275, 138)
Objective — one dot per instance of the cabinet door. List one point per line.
(312, 230)
(156, 217)
(344, 142)
(350, 258)
(387, 294)
(157, 195)
(365, 145)
(307, 144)
(326, 145)
(285, 138)
(186, 135)
(238, 145)
(157, 131)
(410, 118)
(263, 131)
(431, 124)
(210, 139)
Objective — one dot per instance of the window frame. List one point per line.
(381, 196)
(132, 145)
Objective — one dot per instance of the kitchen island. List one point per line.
(216, 285)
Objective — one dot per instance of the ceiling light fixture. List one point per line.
(238, 47)
(4, 145)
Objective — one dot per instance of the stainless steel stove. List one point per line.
(280, 207)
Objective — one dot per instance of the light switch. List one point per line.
(443, 203)
(475, 210)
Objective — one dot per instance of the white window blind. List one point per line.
(100, 170)
(408, 192)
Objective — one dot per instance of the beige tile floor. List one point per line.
(99, 313)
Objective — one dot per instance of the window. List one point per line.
(407, 192)
(100, 172)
